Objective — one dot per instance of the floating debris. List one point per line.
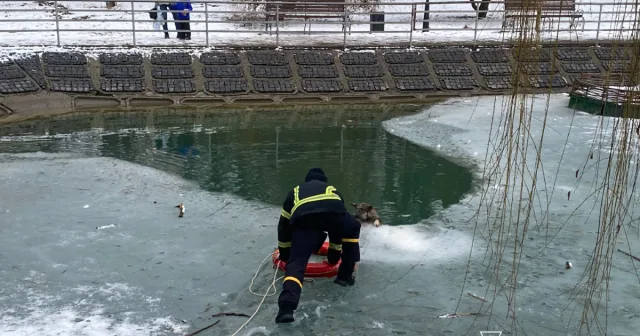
(568, 265)
(106, 227)
(86, 206)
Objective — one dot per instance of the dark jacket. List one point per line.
(181, 6)
(313, 196)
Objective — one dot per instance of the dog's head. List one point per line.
(362, 210)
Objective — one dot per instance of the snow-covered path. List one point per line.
(449, 23)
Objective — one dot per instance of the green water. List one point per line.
(261, 155)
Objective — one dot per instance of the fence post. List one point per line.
(278, 25)
(475, 29)
(206, 22)
(598, 29)
(346, 24)
(133, 22)
(413, 24)
(57, 23)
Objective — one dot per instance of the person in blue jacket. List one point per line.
(180, 11)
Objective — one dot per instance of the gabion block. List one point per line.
(363, 71)
(313, 58)
(321, 85)
(452, 69)
(122, 71)
(273, 85)
(532, 55)
(580, 67)
(180, 58)
(323, 71)
(174, 86)
(540, 68)
(617, 66)
(11, 72)
(459, 83)
(121, 59)
(71, 85)
(402, 70)
(608, 54)
(66, 71)
(498, 69)
(490, 56)
(172, 72)
(220, 58)
(358, 58)
(546, 81)
(414, 84)
(499, 82)
(9, 86)
(226, 85)
(122, 85)
(32, 66)
(573, 54)
(403, 57)
(267, 58)
(64, 58)
(371, 84)
(223, 71)
(447, 56)
(270, 71)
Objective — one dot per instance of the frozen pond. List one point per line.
(91, 244)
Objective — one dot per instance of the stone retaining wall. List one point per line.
(71, 80)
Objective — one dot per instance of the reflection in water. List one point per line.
(260, 155)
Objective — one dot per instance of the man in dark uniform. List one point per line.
(309, 210)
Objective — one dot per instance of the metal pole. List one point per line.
(277, 25)
(413, 24)
(57, 24)
(206, 22)
(475, 30)
(425, 17)
(133, 22)
(598, 29)
(346, 24)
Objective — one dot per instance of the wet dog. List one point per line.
(366, 213)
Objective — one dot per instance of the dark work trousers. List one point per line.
(303, 243)
(165, 25)
(186, 26)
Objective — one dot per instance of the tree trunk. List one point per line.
(111, 4)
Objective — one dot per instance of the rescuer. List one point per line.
(309, 210)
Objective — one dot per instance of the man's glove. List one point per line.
(285, 252)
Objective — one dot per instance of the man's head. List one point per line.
(316, 174)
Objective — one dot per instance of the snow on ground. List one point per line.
(449, 23)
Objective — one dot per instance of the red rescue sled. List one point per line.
(314, 269)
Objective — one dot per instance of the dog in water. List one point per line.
(366, 213)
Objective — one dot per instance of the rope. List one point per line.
(265, 295)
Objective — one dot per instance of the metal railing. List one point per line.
(251, 23)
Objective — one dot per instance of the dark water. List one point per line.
(262, 154)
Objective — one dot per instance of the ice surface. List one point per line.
(154, 270)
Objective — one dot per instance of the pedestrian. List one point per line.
(309, 210)
(163, 9)
(180, 11)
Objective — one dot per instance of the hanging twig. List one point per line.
(224, 206)
(632, 256)
(203, 329)
(230, 314)
(477, 297)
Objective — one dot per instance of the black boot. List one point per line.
(285, 314)
(344, 282)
